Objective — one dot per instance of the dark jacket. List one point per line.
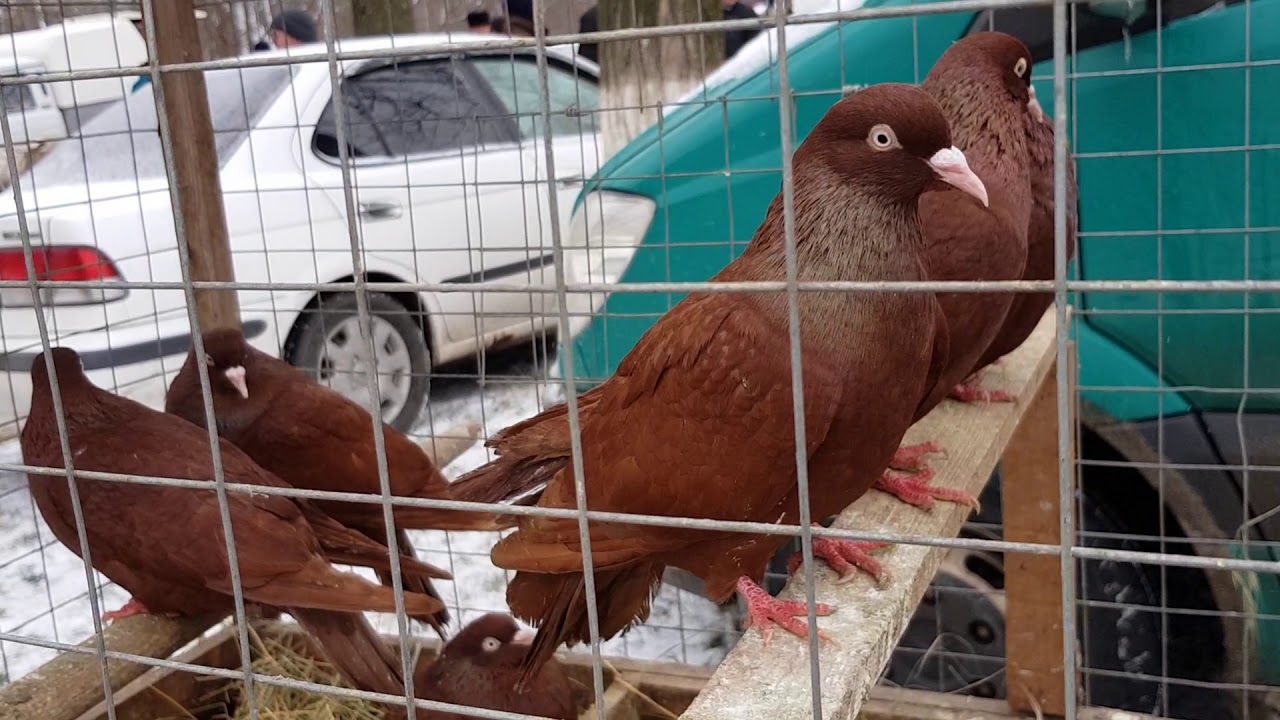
(735, 39)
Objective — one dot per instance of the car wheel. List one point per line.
(326, 344)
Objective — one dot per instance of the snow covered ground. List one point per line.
(43, 587)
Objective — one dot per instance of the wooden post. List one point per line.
(196, 162)
(1033, 583)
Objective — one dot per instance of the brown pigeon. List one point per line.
(1028, 308)
(479, 668)
(697, 421)
(983, 84)
(165, 545)
(313, 437)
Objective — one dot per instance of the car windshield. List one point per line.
(126, 141)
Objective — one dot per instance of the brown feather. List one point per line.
(315, 438)
(1027, 308)
(480, 668)
(985, 102)
(165, 544)
(697, 421)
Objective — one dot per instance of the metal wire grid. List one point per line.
(1061, 286)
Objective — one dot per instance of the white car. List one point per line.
(451, 182)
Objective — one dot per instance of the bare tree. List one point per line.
(382, 17)
(637, 76)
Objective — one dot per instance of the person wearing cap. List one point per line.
(478, 21)
(289, 28)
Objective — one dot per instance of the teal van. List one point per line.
(1177, 137)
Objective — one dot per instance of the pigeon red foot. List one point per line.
(765, 611)
(916, 490)
(911, 458)
(133, 607)
(846, 557)
(971, 391)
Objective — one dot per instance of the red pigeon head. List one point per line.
(893, 139)
(995, 56)
(494, 640)
(226, 352)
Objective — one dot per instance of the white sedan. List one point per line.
(451, 184)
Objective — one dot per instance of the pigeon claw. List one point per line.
(911, 458)
(846, 557)
(133, 607)
(918, 492)
(970, 391)
(766, 612)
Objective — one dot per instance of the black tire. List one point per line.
(305, 349)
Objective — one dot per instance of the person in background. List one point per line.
(520, 17)
(289, 28)
(498, 25)
(586, 24)
(478, 22)
(735, 39)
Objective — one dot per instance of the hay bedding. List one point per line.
(282, 652)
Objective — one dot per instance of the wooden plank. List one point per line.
(195, 162)
(1033, 583)
(71, 684)
(164, 692)
(671, 685)
(774, 683)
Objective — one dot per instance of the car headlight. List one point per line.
(604, 232)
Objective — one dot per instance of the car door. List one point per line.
(419, 133)
(1170, 181)
(526, 228)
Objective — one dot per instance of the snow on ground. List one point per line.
(43, 587)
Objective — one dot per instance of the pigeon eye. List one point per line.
(881, 137)
(489, 644)
(1020, 68)
(208, 359)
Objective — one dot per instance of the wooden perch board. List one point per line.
(758, 683)
(71, 683)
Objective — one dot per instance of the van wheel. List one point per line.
(326, 344)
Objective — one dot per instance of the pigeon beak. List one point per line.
(522, 638)
(1033, 106)
(236, 376)
(953, 169)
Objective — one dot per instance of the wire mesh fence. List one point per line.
(448, 227)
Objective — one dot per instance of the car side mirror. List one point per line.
(1127, 11)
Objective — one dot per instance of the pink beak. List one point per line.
(952, 168)
(522, 638)
(236, 376)
(1033, 106)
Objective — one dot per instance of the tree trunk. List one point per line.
(638, 76)
(382, 17)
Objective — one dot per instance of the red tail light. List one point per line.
(67, 264)
(60, 264)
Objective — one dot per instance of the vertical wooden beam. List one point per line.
(1033, 583)
(196, 162)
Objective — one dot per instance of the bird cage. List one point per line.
(644, 359)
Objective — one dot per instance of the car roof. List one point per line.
(429, 42)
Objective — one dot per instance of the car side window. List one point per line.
(1034, 25)
(574, 95)
(409, 108)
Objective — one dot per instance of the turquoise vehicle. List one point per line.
(1178, 147)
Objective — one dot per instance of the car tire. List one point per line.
(329, 326)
